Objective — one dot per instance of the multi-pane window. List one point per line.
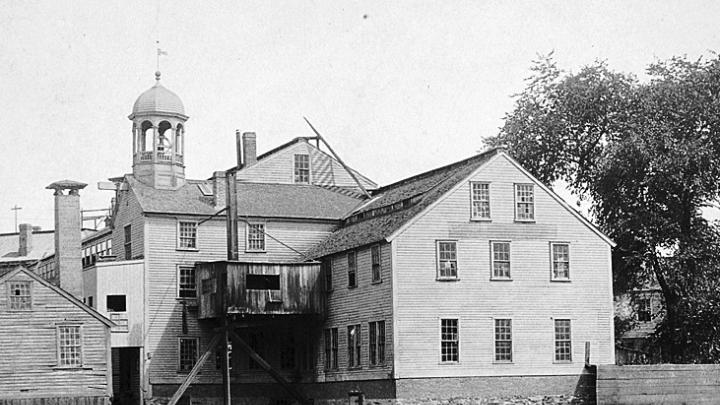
(327, 272)
(353, 345)
(480, 198)
(128, 242)
(256, 237)
(331, 349)
(302, 168)
(447, 259)
(187, 235)
(500, 255)
(352, 269)
(186, 282)
(376, 267)
(644, 312)
(20, 295)
(188, 353)
(503, 340)
(376, 343)
(449, 341)
(69, 346)
(560, 261)
(524, 202)
(563, 341)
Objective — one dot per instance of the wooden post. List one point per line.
(194, 372)
(227, 396)
(587, 354)
(232, 214)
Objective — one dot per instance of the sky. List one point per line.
(397, 88)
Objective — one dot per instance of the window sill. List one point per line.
(190, 302)
(446, 279)
(255, 251)
(376, 282)
(525, 221)
(187, 249)
(501, 279)
(560, 280)
(71, 368)
(352, 287)
(480, 219)
(562, 362)
(503, 362)
(449, 363)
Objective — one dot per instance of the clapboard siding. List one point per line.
(368, 302)
(129, 213)
(30, 368)
(531, 300)
(280, 168)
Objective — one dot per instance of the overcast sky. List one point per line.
(397, 87)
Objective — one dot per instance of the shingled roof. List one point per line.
(393, 205)
(268, 200)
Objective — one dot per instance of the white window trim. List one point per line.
(197, 234)
(438, 277)
(572, 339)
(247, 237)
(177, 282)
(177, 355)
(57, 345)
(310, 171)
(552, 263)
(492, 261)
(515, 203)
(30, 291)
(439, 341)
(477, 218)
(512, 340)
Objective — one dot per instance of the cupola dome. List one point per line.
(158, 100)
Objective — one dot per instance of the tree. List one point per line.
(647, 155)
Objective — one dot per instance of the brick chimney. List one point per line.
(249, 148)
(218, 185)
(68, 243)
(25, 236)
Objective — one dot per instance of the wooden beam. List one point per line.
(267, 367)
(194, 372)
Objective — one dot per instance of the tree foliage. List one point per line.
(647, 155)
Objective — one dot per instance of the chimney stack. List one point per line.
(68, 243)
(238, 147)
(249, 148)
(218, 185)
(25, 236)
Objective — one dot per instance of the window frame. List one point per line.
(640, 309)
(376, 252)
(296, 168)
(248, 248)
(516, 188)
(438, 267)
(495, 341)
(178, 287)
(352, 269)
(179, 353)
(354, 346)
(25, 283)
(493, 276)
(59, 346)
(330, 343)
(327, 273)
(456, 341)
(473, 213)
(376, 340)
(193, 238)
(553, 277)
(556, 340)
(127, 234)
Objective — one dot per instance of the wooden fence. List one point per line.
(659, 384)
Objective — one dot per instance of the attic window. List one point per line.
(20, 295)
(205, 189)
(302, 168)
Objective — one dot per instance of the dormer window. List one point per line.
(302, 168)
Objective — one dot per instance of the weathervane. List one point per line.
(16, 209)
(160, 52)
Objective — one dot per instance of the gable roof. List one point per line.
(20, 269)
(270, 200)
(394, 205)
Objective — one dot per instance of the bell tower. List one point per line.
(158, 129)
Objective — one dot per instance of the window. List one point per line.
(352, 269)
(447, 259)
(560, 261)
(331, 349)
(503, 340)
(255, 238)
(500, 255)
(644, 312)
(187, 235)
(302, 168)
(327, 272)
(116, 303)
(69, 346)
(353, 345)
(563, 343)
(524, 202)
(90, 302)
(376, 344)
(449, 341)
(128, 242)
(376, 268)
(20, 295)
(480, 198)
(186, 282)
(188, 353)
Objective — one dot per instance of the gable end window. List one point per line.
(20, 294)
(187, 235)
(186, 282)
(500, 260)
(563, 341)
(302, 168)
(128, 242)
(524, 202)
(352, 269)
(449, 341)
(255, 238)
(480, 200)
(376, 266)
(69, 346)
(447, 266)
(560, 261)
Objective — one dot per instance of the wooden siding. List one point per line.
(300, 291)
(30, 368)
(531, 299)
(280, 168)
(368, 302)
(129, 213)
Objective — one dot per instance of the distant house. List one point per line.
(52, 346)
(639, 312)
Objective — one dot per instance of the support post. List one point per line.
(194, 372)
(232, 213)
(587, 354)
